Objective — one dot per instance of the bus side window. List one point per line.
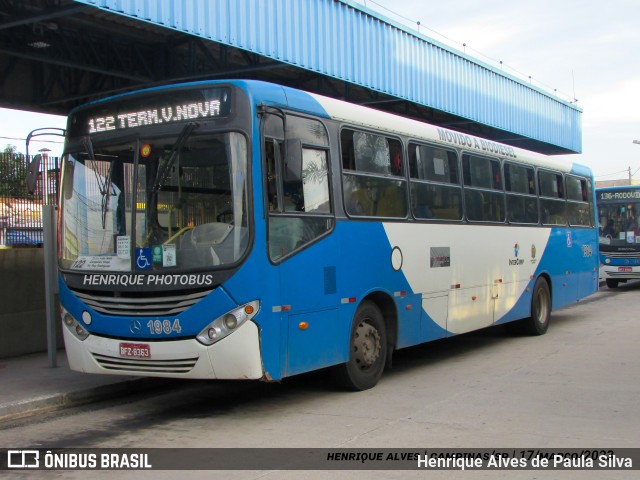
(522, 202)
(271, 147)
(484, 197)
(300, 209)
(435, 187)
(306, 210)
(552, 204)
(579, 209)
(373, 181)
(311, 193)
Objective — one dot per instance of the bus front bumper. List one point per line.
(615, 272)
(234, 357)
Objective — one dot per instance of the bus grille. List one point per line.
(183, 365)
(620, 254)
(153, 304)
(622, 275)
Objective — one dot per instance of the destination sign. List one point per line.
(163, 108)
(621, 195)
(155, 116)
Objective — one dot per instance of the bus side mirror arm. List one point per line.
(33, 168)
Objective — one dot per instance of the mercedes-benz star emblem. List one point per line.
(135, 327)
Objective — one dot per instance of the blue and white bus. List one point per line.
(619, 219)
(245, 230)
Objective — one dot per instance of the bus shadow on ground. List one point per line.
(623, 287)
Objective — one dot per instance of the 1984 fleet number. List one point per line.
(157, 327)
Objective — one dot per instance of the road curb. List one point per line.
(59, 401)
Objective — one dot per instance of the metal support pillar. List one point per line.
(50, 279)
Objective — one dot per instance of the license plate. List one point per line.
(135, 350)
(625, 269)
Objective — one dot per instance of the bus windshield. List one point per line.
(619, 223)
(155, 203)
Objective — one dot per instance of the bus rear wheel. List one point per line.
(538, 323)
(367, 350)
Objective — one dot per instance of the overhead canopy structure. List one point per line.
(56, 54)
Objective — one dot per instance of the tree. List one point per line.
(13, 174)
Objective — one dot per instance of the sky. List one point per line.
(583, 49)
(15, 126)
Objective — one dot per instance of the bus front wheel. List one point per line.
(367, 349)
(612, 283)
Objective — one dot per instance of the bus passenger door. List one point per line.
(300, 221)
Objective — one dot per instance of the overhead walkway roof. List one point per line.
(56, 54)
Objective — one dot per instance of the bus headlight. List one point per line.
(226, 324)
(73, 325)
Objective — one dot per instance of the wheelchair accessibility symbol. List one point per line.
(143, 258)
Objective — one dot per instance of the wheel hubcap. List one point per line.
(366, 345)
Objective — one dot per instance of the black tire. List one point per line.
(612, 283)
(367, 350)
(538, 322)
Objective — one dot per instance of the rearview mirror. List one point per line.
(33, 169)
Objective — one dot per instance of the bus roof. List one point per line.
(376, 119)
(366, 117)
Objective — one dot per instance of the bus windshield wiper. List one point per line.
(163, 171)
(106, 194)
(86, 141)
(104, 183)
